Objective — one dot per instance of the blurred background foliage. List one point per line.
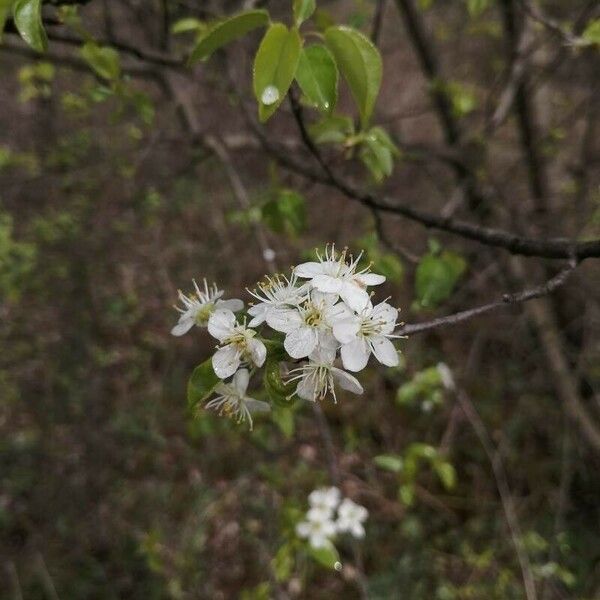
(111, 488)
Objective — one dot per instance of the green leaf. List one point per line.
(377, 153)
(389, 462)
(332, 130)
(286, 213)
(275, 65)
(284, 419)
(591, 34)
(28, 20)
(326, 555)
(277, 390)
(437, 276)
(360, 63)
(103, 60)
(224, 32)
(406, 494)
(202, 383)
(446, 473)
(283, 563)
(186, 25)
(303, 9)
(317, 76)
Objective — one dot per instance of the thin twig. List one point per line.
(495, 459)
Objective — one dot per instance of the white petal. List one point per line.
(234, 304)
(257, 406)
(318, 540)
(184, 325)
(306, 388)
(355, 297)
(220, 323)
(384, 351)
(387, 314)
(355, 355)
(323, 354)
(347, 382)
(240, 381)
(357, 530)
(258, 352)
(226, 361)
(303, 529)
(346, 330)
(308, 270)
(284, 319)
(370, 278)
(300, 342)
(327, 284)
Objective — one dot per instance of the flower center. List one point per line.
(204, 313)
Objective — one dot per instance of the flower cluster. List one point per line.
(322, 313)
(322, 524)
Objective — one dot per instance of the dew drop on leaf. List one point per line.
(270, 95)
(337, 566)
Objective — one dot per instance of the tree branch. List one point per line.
(507, 299)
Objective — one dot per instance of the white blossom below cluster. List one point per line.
(327, 318)
(329, 516)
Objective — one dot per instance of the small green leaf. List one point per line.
(202, 383)
(332, 130)
(303, 9)
(286, 213)
(446, 473)
(406, 494)
(377, 153)
(277, 390)
(283, 563)
(224, 32)
(28, 20)
(437, 276)
(186, 25)
(275, 65)
(317, 76)
(591, 34)
(326, 555)
(103, 60)
(283, 417)
(360, 63)
(389, 462)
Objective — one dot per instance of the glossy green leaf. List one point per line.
(436, 277)
(188, 24)
(377, 153)
(406, 494)
(359, 61)
(103, 60)
(28, 20)
(317, 76)
(275, 65)
(285, 213)
(202, 383)
(224, 32)
(389, 462)
(332, 130)
(326, 555)
(303, 9)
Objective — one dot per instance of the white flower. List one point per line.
(317, 531)
(365, 333)
(200, 305)
(273, 293)
(333, 275)
(323, 501)
(309, 325)
(317, 377)
(238, 344)
(351, 517)
(233, 402)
